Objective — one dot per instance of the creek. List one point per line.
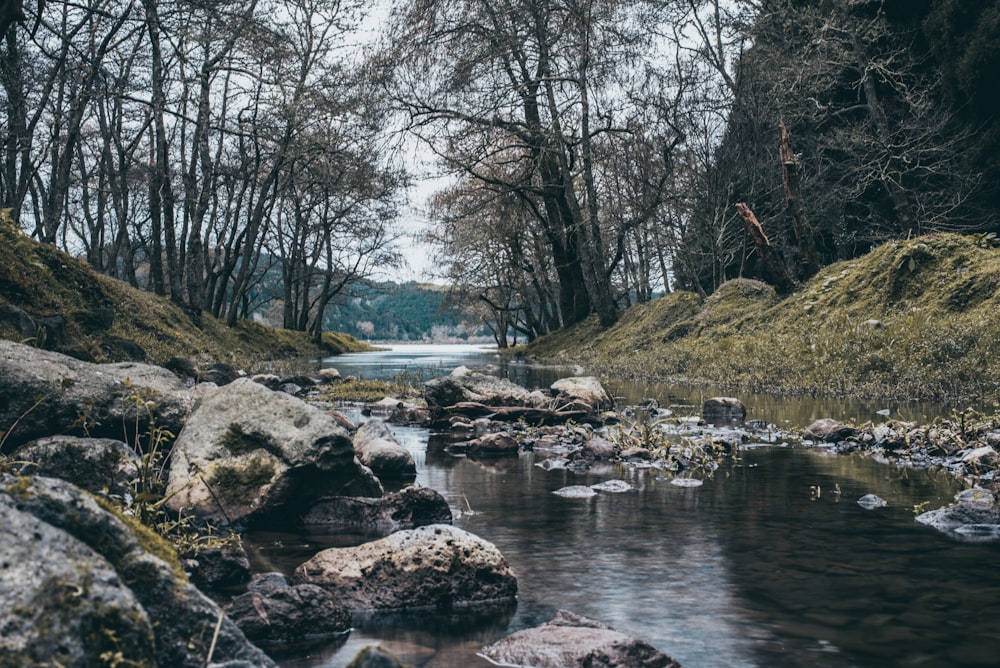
(763, 565)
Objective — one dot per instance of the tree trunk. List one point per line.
(773, 264)
(790, 179)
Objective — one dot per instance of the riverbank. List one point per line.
(916, 319)
(57, 302)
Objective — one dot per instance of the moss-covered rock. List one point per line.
(248, 455)
(85, 586)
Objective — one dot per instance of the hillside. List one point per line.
(912, 319)
(94, 317)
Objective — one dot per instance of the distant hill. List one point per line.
(404, 312)
(915, 319)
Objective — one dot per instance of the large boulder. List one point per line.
(497, 444)
(251, 455)
(585, 391)
(463, 385)
(406, 509)
(437, 566)
(94, 464)
(569, 640)
(378, 449)
(44, 393)
(272, 611)
(86, 586)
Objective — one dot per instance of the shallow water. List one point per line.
(762, 565)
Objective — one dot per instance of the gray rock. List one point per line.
(216, 568)
(437, 566)
(249, 455)
(582, 391)
(406, 509)
(378, 449)
(328, 375)
(474, 387)
(288, 614)
(90, 463)
(967, 520)
(871, 502)
(575, 492)
(723, 408)
(17, 322)
(81, 398)
(569, 640)
(376, 657)
(828, 431)
(612, 486)
(497, 444)
(86, 583)
(597, 447)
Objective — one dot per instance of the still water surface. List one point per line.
(750, 569)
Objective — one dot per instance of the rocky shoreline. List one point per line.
(93, 455)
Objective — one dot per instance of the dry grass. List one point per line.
(913, 319)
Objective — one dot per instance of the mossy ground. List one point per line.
(915, 319)
(43, 281)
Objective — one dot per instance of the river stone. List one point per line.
(570, 640)
(828, 431)
(575, 492)
(406, 509)
(975, 494)
(94, 464)
(723, 408)
(597, 447)
(289, 613)
(967, 518)
(585, 391)
(612, 486)
(497, 444)
(437, 566)
(378, 449)
(474, 387)
(82, 398)
(86, 583)
(251, 455)
(871, 502)
(376, 657)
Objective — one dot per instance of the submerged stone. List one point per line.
(687, 482)
(613, 486)
(871, 502)
(575, 492)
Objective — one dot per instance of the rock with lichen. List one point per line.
(91, 587)
(571, 640)
(249, 455)
(435, 566)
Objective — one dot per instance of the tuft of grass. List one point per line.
(369, 391)
(915, 319)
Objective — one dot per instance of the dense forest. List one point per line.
(598, 153)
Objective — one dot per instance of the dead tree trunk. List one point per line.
(774, 266)
(790, 179)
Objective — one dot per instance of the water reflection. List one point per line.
(764, 565)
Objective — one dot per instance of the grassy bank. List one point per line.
(100, 313)
(913, 319)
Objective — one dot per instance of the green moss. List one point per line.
(235, 483)
(149, 540)
(354, 389)
(108, 635)
(20, 488)
(238, 442)
(936, 300)
(42, 280)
